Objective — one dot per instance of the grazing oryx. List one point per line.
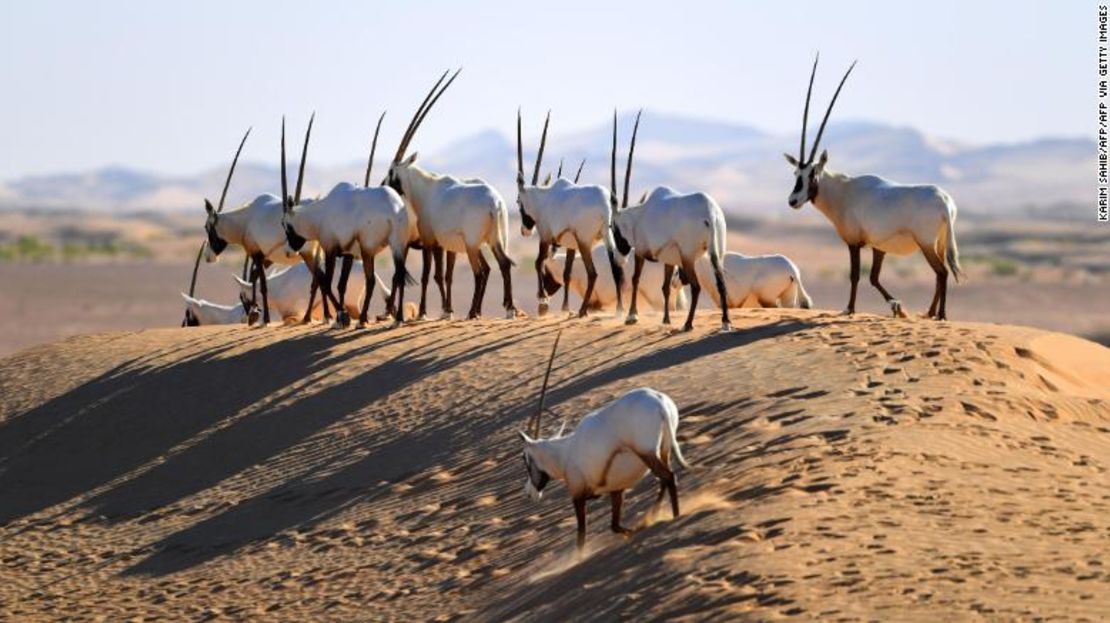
(289, 287)
(565, 214)
(453, 215)
(199, 312)
(609, 451)
(869, 211)
(605, 290)
(670, 228)
(350, 217)
(756, 281)
(257, 227)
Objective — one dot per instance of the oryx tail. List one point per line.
(951, 253)
(670, 437)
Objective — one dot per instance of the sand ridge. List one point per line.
(850, 468)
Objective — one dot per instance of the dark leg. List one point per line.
(399, 287)
(567, 266)
(618, 279)
(474, 255)
(262, 286)
(667, 478)
(668, 272)
(449, 278)
(485, 279)
(631, 319)
(853, 252)
(311, 297)
(941, 293)
(505, 265)
(541, 294)
(591, 277)
(325, 287)
(368, 273)
(437, 256)
(722, 292)
(344, 274)
(426, 255)
(695, 291)
(580, 514)
(876, 266)
(616, 499)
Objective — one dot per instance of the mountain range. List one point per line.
(741, 166)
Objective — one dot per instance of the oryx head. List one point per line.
(807, 171)
(537, 477)
(623, 245)
(191, 317)
(248, 298)
(399, 166)
(293, 240)
(523, 201)
(216, 244)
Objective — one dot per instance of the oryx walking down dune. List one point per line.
(453, 215)
(574, 217)
(668, 227)
(609, 451)
(869, 211)
(352, 218)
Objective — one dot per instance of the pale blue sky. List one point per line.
(169, 88)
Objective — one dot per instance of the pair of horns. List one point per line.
(534, 421)
(373, 148)
(219, 208)
(539, 154)
(422, 112)
(613, 160)
(559, 173)
(296, 199)
(805, 114)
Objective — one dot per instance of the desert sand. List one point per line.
(846, 468)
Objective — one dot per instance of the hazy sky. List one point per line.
(170, 87)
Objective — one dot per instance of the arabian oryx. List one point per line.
(289, 292)
(350, 218)
(453, 216)
(199, 312)
(605, 290)
(756, 281)
(609, 451)
(671, 228)
(574, 217)
(869, 211)
(257, 227)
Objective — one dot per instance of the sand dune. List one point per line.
(852, 469)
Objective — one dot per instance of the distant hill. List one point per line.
(740, 165)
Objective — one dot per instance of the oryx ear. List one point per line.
(823, 160)
(524, 437)
(791, 159)
(208, 207)
(411, 159)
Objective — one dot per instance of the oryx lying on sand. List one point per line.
(756, 281)
(609, 451)
(199, 312)
(289, 292)
(605, 290)
(869, 211)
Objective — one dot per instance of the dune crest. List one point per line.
(843, 468)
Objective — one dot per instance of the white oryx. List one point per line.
(199, 312)
(671, 228)
(352, 219)
(565, 214)
(605, 290)
(289, 292)
(609, 451)
(257, 227)
(869, 211)
(453, 216)
(756, 281)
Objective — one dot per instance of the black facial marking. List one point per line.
(215, 243)
(622, 243)
(190, 319)
(797, 184)
(295, 240)
(538, 477)
(812, 185)
(394, 182)
(528, 222)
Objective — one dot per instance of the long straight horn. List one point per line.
(534, 425)
(821, 130)
(805, 114)
(559, 173)
(408, 129)
(539, 154)
(419, 119)
(284, 176)
(631, 150)
(519, 148)
(613, 166)
(373, 148)
(579, 173)
(231, 171)
(304, 156)
(196, 266)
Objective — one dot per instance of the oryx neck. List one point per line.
(830, 193)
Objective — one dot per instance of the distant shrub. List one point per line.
(32, 249)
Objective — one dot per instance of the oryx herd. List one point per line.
(674, 240)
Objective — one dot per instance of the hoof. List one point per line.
(447, 316)
(666, 321)
(848, 312)
(631, 319)
(510, 313)
(726, 327)
(541, 310)
(897, 310)
(395, 324)
(686, 328)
